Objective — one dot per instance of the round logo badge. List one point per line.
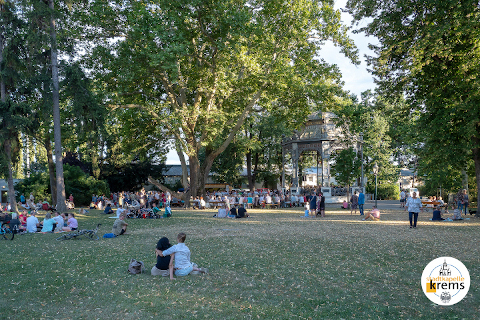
(445, 281)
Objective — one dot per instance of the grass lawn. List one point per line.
(275, 265)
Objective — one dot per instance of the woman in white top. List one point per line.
(414, 206)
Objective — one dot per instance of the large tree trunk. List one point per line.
(3, 92)
(184, 196)
(11, 189)
(194, 177)
(61, 206)
(476, 159)
(183, 163)
(51, 169)
(249, 171)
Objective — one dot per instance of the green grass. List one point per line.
(275, 265)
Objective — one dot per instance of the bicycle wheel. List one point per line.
(92, 235)
(67, 236)
(8, 235)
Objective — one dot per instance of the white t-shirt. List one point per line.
(32, 224)
(182, 255)
(60, 222)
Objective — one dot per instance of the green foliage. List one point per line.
(201, 68)
(130, 176)
(388, 191)
(346, 166)
(82, 186)
(77, 183)
(228, 167)
(430, 51)
(38, 184)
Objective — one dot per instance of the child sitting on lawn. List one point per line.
(183, 266)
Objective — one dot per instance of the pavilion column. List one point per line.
(295, 166)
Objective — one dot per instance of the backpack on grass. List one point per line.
(135, 267)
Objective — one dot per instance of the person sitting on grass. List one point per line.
(168, 212)
(72, 223)
(60, 222)
(108, 209)
(164, 266)
(23, 218)
(222, 212)
(33, 225)
(437, 214)
(48, 223)
(242, 212)
(46, 206)
(15, 223)
(373, 215)
(457, 214)
(233, 212)
(119, 226)
(183, 266)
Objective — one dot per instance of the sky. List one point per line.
(356, 78)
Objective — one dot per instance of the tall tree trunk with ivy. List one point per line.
(51, 169)
(60, 182)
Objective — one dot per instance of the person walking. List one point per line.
(414, 206)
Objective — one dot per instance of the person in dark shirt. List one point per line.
(233, 212)
(108, 209)
(437, 214)
(164, 264)
(242, 212)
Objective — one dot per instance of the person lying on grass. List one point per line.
(373, 215)
(183, 266)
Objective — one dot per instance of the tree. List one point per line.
(201, 67)
(430, 52)
(13, 111)
(346, 167)
(376, 119)
(60, 181)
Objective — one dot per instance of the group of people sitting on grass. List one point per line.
(437, 214)
(233, 213)
(56, 223)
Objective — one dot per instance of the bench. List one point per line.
(271, 205)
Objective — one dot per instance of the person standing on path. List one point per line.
(402, 199)
(414, 206)
(354, 203)
(361, 202)
(313, 204)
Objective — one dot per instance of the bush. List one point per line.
(388, 191)
(77, 183)
(82, 186)
(38, 184)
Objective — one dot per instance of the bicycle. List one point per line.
(5, 232)
(90, 234)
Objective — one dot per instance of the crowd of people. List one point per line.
(135, 200)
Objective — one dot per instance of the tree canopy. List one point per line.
(200, 68)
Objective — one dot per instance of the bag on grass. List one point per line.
(109, 235)
(135, 266)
